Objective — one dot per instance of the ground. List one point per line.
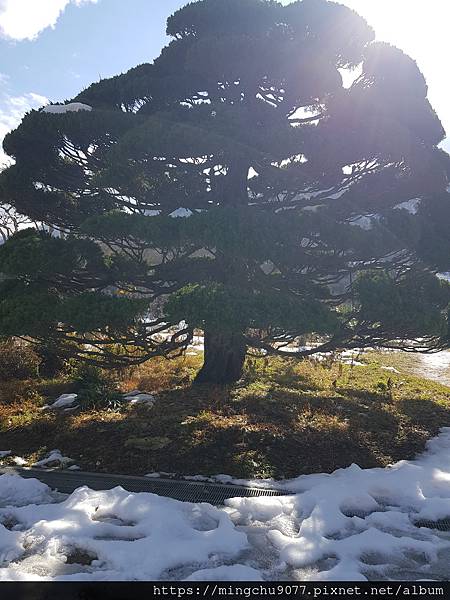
(352, 525)
(294, 421)
(284, 419)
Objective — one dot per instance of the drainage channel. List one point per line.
(441, 525)
(186, 491)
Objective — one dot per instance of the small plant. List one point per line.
(96, 390)
(381, 387)
(329, 360)
(251, 370)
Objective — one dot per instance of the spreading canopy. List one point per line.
(238, 186)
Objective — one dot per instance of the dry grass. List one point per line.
(160, 374)
(283, 419)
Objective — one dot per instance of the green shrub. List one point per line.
(18, 360)
(96, 390)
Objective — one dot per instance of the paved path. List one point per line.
(435, 366)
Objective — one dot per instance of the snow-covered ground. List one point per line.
(350, 525)
(435, 366)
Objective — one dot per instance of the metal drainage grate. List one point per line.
(441, 525)
(362, 514)
(186, 491)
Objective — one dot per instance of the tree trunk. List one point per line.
(224, 358)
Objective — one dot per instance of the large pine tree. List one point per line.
(239, 185)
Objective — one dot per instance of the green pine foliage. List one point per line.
(290, 186)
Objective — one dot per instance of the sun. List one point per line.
(420, 29)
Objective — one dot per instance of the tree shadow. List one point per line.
(208, 430)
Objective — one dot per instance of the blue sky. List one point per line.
(51, 49)
(89, 40)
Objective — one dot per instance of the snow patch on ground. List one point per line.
(122, 535)
(226, 573)
(181, 212)
(434, 366)
(54, 459)
(138, 397)
(17, 491)
(352, 524)
(437, 360)
(63, 401)
(411, 206)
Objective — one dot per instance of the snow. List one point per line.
(138, 397)
(439, 361)
(17, 491)
(181, 212)
(64, 400)
(198, 342)
(156, 474)
(64, 108)
(4, 453)
(141, 399)
(353, 362)
(226, 573)
(353, 513)
(130, 536)
(352, 524)
(364, 221)
(54, 458)
(411, 206)
(199, 478)
(19, 461)
(435, 366)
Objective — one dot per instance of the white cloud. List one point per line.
(12, 110)
(26, 19)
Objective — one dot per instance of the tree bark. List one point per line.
(224, 358)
